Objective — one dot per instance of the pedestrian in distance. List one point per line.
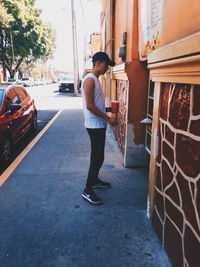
(96, 121)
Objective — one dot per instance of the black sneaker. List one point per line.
(91, 197)
(101, 184)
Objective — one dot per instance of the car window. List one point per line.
(21, 93)
(1, 97)
(13, 97)
(7, 104)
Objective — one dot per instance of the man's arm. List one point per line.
(89, 97)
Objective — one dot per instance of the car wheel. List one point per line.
(34, 124)
(5, 150)
(62, 90)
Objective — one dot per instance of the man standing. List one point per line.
(96, 123)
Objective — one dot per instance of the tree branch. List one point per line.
(19, 63)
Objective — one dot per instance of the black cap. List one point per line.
(102, 56)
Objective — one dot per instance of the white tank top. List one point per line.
(91, 120)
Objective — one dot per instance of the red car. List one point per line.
(18, 115)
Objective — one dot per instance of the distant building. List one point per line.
(91, 48)
(1, 74)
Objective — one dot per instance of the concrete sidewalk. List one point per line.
(46, 223)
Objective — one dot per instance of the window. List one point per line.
(21, 93)
(13, 97)
(7, 104)
(1, 97)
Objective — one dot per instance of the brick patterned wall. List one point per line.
(120, 130)
(176, 216)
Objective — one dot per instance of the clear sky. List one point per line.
(58, 14)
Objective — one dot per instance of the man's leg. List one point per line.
(97, 138)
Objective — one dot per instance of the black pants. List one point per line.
(97, 138)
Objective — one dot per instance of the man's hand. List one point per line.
(113, 121)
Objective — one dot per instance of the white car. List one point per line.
(26, 81)
(11, 81)
(42, 82)
(66, 84)
(36, 82)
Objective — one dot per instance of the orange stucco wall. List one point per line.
(138, 84)
(103, 4)
(130, 80)
(120, 26)
(126, 21)
(180, 19)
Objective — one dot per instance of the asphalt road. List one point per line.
(48, 102)
(45, 222)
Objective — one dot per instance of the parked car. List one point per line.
(26, 81)
(42, 82)
(18, 115)
(66, 84)
(11, 81)
(36, 82)
(54, 80)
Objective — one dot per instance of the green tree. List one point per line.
(23, 35)
(5, 20)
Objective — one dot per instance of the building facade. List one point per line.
(1, 75)
(91, 47)
(175, 148)
(128, 80)
(157, 77)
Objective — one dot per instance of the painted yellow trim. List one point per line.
(119, 72)
(155, 125)
(183, 70)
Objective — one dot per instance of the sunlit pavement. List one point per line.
(44, 220)
(47, 97)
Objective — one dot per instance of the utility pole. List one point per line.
(75, 50)
(85, 34)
